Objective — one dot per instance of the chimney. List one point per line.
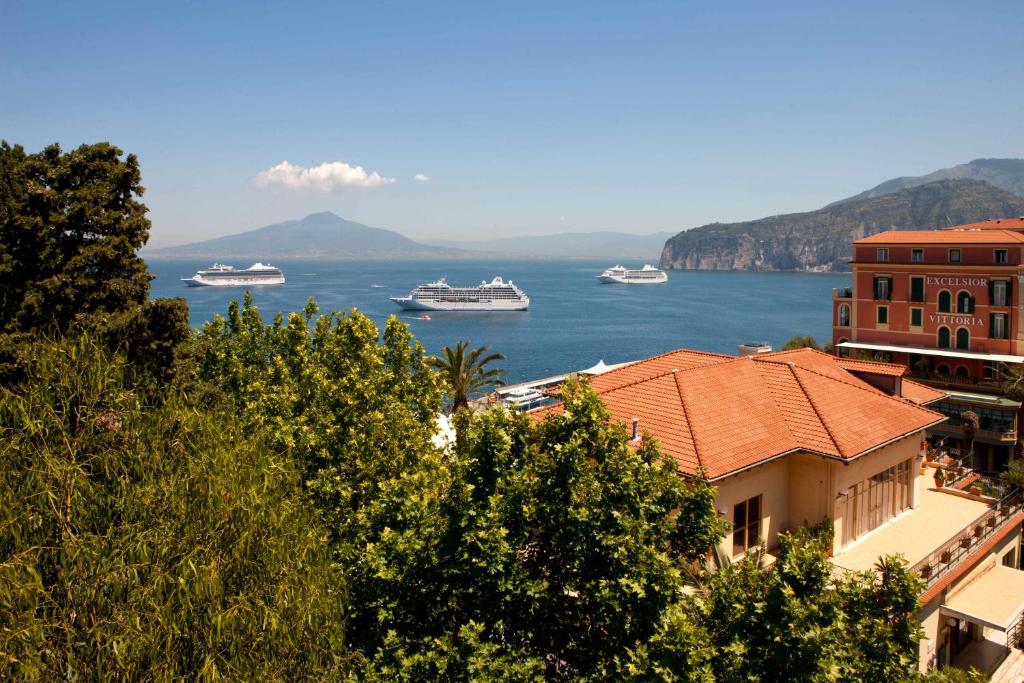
(636, 429)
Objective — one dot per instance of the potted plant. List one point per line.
(926, 571)
(939, 477)
(975, 490)
(946, 557)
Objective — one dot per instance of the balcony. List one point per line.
(990, 436)
(919, 533)
(956, 381)
(842, 293)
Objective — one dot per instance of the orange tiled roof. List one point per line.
(872, 366)
(951, 236)
(921, 394)
(725, 413)
(994, 224)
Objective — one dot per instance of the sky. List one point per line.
(466, 120)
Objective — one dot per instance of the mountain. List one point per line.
(1006, 174)
(610, 245)
(323, 235)
(820, 240)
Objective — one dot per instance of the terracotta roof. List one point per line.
(921, 394)
(874, 367)
(726, 413)
(994, 224)
(951, 236)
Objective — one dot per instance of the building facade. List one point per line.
(947, 305)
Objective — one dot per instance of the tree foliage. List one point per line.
(70, 227)
(152, 542)
(801, 342)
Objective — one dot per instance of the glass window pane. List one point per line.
(754, 508)
(739, 515)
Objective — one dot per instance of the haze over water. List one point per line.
(573, 321)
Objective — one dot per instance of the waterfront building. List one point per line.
(945, 304)
(803, 437)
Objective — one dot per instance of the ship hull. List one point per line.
(232, 282)
(619, 280)
(411, 304)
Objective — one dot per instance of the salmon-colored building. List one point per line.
(803, 437)
(946, 304)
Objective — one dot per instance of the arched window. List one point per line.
(989, 371)
(964, 302)
(963, 339)
(961, 371)
(942, 369)
(945, 302)
(844, 315)
(944, 337)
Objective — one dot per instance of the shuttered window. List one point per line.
(917, 289)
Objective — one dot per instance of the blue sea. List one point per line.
(573, 321)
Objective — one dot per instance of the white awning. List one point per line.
(994, 599)
(945, 353)
(982, 398)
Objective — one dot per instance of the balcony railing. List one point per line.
(954, 380)
(843, 293)
(1008, 435)
(947, 557)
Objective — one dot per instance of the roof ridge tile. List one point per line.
(817, 413)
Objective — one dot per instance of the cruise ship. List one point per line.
(219, 275)
(648, 275)
(495, 295)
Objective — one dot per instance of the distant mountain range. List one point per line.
(320, 235)
(814, 240)
(1006, 174)
(609, 245)
(820, 240)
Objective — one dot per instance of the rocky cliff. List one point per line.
(820, 240)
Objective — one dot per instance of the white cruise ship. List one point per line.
(219, 275)
(648, 275)
(495, 295)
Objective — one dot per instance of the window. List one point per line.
(997, 326)
(883, 315)
(989, 371)
(945, 302)
(844, 315)
(877, 499)
(989, 419)
(964, 302)
(944, 338)
(963, 339)
(999, 292)
(954, 256)
(916, 315)
(961, 371)
(1000, 256)
(942, 368)
(882, 255)
(917, 289)
(917, 255)
(883, 288)
(746, 525)
(1010, 559)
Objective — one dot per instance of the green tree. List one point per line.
(558, 542)
(70, 227)
(466, 372)
(801, 342)
(799, 621)
(142, 542)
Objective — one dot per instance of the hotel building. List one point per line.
(801, 437)
(946, 304)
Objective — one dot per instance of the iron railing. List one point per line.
(949, 555)
(1015, 634)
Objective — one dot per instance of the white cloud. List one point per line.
(420, 177)
(330, 175)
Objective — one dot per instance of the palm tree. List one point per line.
(467, 373)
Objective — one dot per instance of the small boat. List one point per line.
(754, 348)
(424, 317)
